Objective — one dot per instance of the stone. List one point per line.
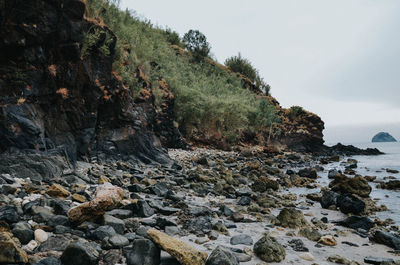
(298, 245)
(357, 222)
(141, 209)
(57, 191)
(244, 201)
(310, 233)
(103, 231)
(117, 224)
(118, 241)
(23, 232)
(78, 198)
(241, 239)
(184, 253)
(333, 173)
(328, 240)
(328, 199)
(222, 256)
(55, 243)
(120, 213)
(144, 252)
(348, 203)
(78, 253)
(338, 259)
(49, 261)
(386, 238)
(307, 256)
(378, 260)
(40, 235)
(31, 246)
(262, 184)
(268, 249)
(58, 220)
(9, 214)
(356, 185)
(9, 251)
(199, 225)
(292, 218)
(308, 173)
(106, 198)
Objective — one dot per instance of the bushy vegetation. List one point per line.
(243, 66)
(296, 111)
(208, 98)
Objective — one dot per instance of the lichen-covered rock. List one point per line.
(269, 250)
(357, 185)
(183, 252)
(10, 253)
(292, 218)
(106, 198)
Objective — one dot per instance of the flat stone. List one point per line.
(117, 224)
(241, 239)
(377, 260)
(57, 191)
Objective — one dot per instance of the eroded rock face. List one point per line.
(106, 198)
(184, 253)
(56, 92)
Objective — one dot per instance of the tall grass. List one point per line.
(208, 97)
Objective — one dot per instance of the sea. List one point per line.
(371, 166)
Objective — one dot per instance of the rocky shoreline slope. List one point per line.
(210, 207)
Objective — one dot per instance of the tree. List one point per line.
(196, 42)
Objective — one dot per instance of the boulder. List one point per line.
(357, 222)
(78, 253)
(268, 249)
(222, 256)
(356, 185)
(292, 218)
(23, 232)
(10, 253)
(183, 252)
(310, 233)
(386, 238)
(348, 203)
(144, 252)
(390, 185)
(328, 199)
(106, 198)
(241, 239)
(263, 183)
(57, 191)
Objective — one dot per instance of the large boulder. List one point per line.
(328, 199)
(308, 173)
(292, 218)
(268, 249)
(106, 198)
(183, 252)
(348, 203)
(356, 185)
(386, 238)
(10, 253)
(357, 222)
(78, 253)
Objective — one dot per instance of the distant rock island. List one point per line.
(383, 137)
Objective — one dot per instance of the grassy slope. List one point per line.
(210, 99)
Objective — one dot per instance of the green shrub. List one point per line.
(241, 65)
(196, 42)
(296, 111)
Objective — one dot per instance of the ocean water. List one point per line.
(371, 166)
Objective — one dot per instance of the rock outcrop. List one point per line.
(383, 137)
(58, 92)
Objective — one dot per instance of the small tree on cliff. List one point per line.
(196, 42)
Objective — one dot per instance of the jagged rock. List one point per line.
(328, 198)
(58, 191)
(9, 251)
(106, 198)
(144, 252)
(103, 231)
(298, 245)
(310, 233)
(23, 232)
(269, 250)
(383, 137)
(9, 214)
(78, 253)
(141, 208)
(308, 173)
(328, 240)
(356, 185)
(390, 185)
(262, 184)
(386, 238)
(350, 204)
(292, 218)
(49, 261)
(116, 241)
(117, 224)
(184, 253)
(222, 256)
(333, 173)
(357, 222)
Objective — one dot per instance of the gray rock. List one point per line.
(78, 253)
(298, 245)
(49, 261)
(268, 249)
(386, 238)
(9, 214)
(102, 232)
(58, 220)
(350, 204)
(241, 239)
(244, 201)
(222, 256)
(117, 224)
(55, 243)
(356, 222)
(171, 230)
(242, 257)
(23, 232)
(142, 209)
(308, 173)
(144, 252)
(328, 198)
(118, 241)
(120, 213)
(377, 260)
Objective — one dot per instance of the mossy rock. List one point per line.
(269, 249)
(292, 218)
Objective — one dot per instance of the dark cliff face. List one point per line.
(57, 88)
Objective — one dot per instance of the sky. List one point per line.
(339, 59)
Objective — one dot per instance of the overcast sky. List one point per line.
(338, 58)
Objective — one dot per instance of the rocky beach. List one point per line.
(232, 207)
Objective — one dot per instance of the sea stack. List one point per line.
(383, 137)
